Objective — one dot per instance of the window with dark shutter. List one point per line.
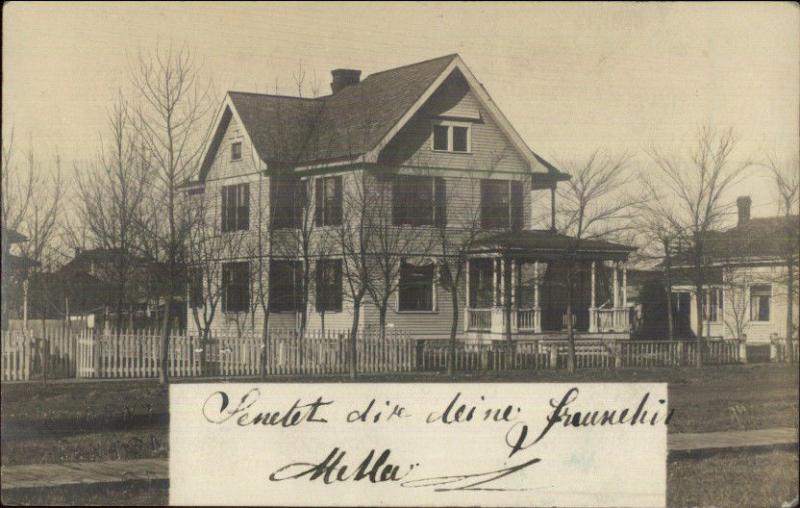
(195, 287)
(329, 285)
(516, 205)
(236, 287)
(235, 207)
(328, 201)
(285, 285)
(440, 135)
(415, 292)
(287, 195)
(495, 204)
(440, 202)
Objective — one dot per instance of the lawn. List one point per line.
(115, 420)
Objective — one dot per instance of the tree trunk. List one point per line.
(163, 374)
(789, 307)
(668, 273)
(570, 328)
(354, 338)
(265, 352)
(698, 298)
(382, 309)
(451, 350)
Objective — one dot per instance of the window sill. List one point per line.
(761, 323)
(416, 312)
(451, 152)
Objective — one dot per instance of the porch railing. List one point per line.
(479, 320)
(610, 319)
(529, 320)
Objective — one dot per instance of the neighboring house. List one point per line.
(746, 275)
(87, 285)
(429, 139)
(14, 273)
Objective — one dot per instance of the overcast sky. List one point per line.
(570, 77)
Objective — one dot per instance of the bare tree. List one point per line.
(698, 185)
(171, 124)
(110, 194)
(786, 180)
(594, 205)
(655, 220)
(352, 237)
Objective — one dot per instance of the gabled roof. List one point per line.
(762, 237)
(354, 123)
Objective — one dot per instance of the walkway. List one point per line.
(52, 475)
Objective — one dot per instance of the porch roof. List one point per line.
(550, 245)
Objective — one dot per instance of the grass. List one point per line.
(733, 479)
(116, 420)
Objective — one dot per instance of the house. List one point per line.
(746, 277)
(14, 274)
(430, 141)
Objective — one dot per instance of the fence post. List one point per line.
(553, 356)
(617, 354)
(742, 351)
(680, 354)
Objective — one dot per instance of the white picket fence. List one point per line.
(287, 352)
(62, 353)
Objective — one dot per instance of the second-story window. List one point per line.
(288, 197)
(501, 204)
(328, 201)
(419, 201)
(450, 137)
(235, 207)
(236, 151)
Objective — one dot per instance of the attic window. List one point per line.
(451, 137)
(236, 151)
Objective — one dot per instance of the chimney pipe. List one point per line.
(743, 206)
(343, 78)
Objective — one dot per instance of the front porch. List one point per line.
(521, 290)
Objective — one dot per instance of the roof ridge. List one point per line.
(451, 55)
(278, 96)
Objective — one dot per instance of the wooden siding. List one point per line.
(491, 150)
(222, 166)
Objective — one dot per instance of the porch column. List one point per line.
(494, 282)
(616, 285)
(513, 282)
(502, 282)
(466, 280)
(537, 313)
(592, 312)
(624, 284)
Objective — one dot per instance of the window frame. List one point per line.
(514, 213)
(718, 307)
(769, 303)
(322, 269)
(328, 212)
(296, 290)
(450, 124)
(407, 200)
(243, 303)
(240, 221)
(292, 189)
(434, 292)
(236, 143)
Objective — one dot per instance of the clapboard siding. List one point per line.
(491, 150)
(222, 166)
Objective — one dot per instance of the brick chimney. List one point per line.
(343, 78)
(743, 205)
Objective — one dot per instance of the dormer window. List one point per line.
(450, 137)
(236, 151)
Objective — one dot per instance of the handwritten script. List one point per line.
(430, 444)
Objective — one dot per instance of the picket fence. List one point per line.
(64, 353)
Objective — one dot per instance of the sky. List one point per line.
(571, 78)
